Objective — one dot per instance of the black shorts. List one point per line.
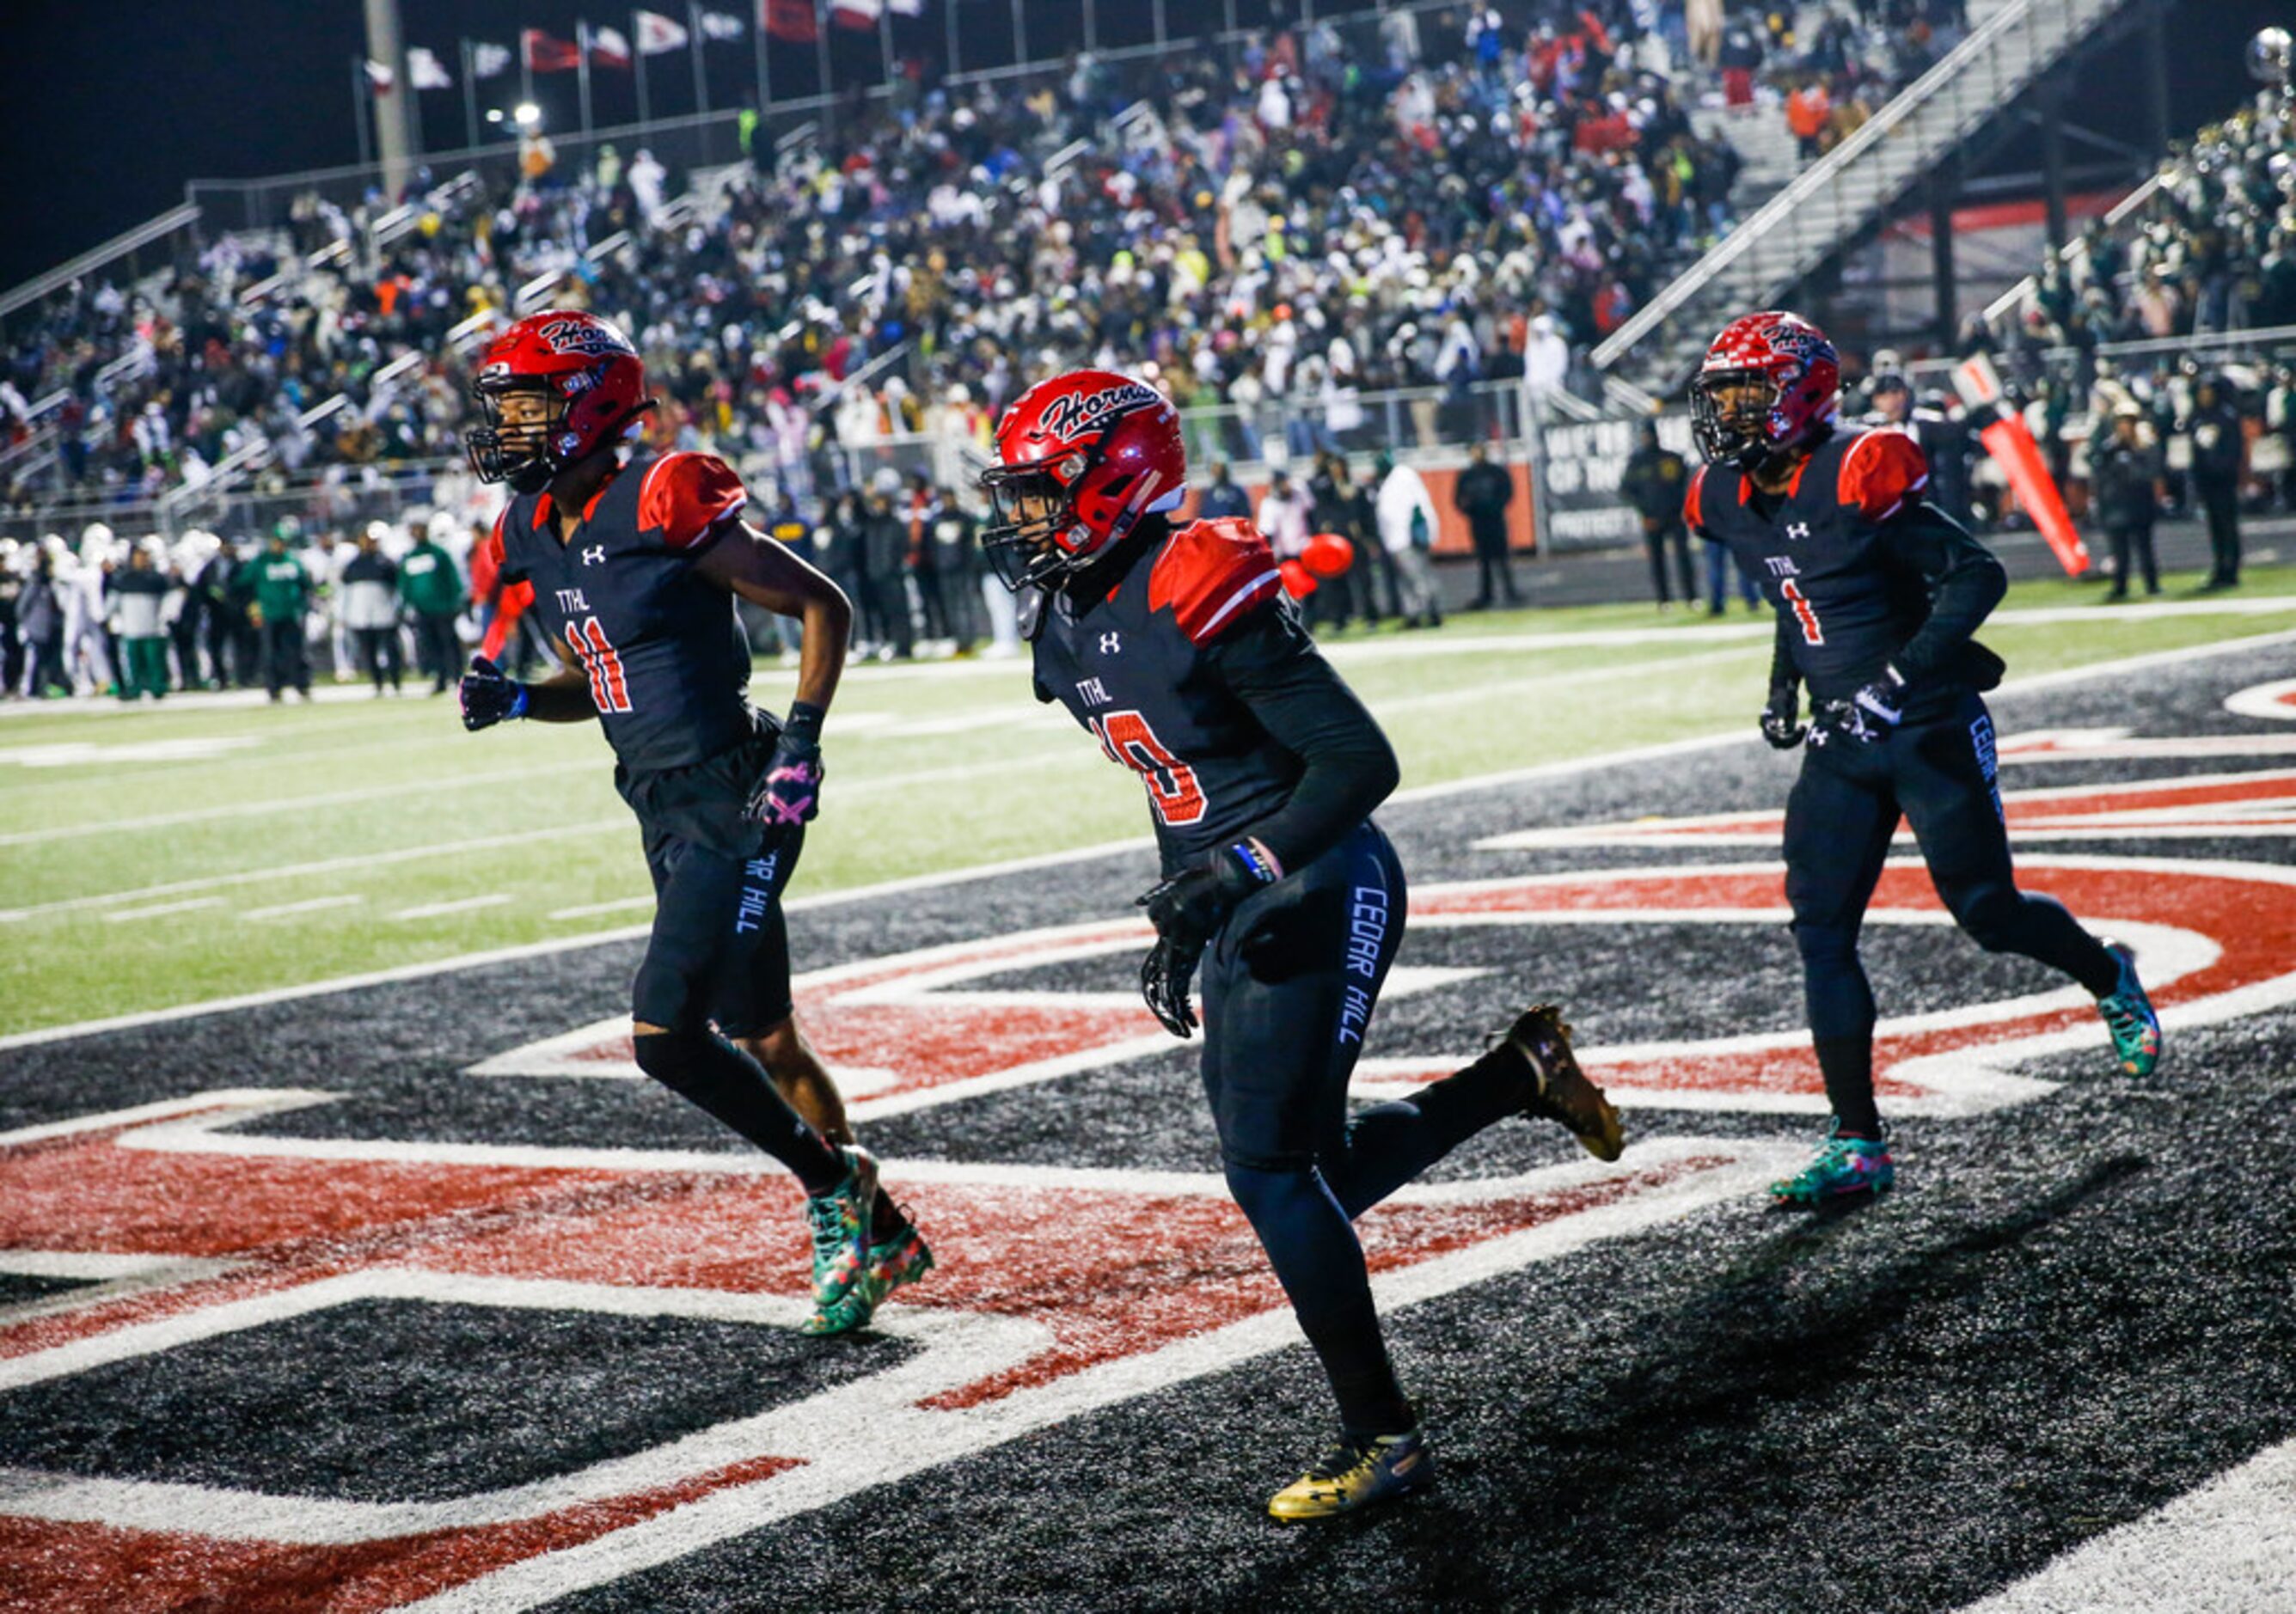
(720, 953)
(1937, 775)
(1289, 986)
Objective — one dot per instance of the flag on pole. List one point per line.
(718, 25)
(489, 60)
(791, 21)
(855, 13)
(425, 71)
(907, 8)
(545, 54)
(657, 34)
(379, 77)
(608, 46)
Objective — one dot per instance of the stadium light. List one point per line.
(527, 114)
(493, 114)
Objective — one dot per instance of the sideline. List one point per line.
(952, 877)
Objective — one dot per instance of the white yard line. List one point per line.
(462, 905)
(124, 915)
(950, 877)
(325, 865)
(309, 904)
(433, 786)
(2228, 1548)
(591, 910)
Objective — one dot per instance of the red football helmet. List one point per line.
(592, 378)
(1789, 357)
(1081, 458)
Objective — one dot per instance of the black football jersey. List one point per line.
(1137, 670)
(668, 662)
(1852, 580)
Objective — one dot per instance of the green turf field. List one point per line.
(156, 857)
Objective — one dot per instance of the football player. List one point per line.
(1877, 594)
(633, 562)
(1175, 646)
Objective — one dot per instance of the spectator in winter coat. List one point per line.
(2219, 450)
(432, 590)
(1653, 482)
(2125, 472)
(1223, 498)
(369, 611)
(1406, 515)
(282, 594)
(1483, 492)
(137, 595)
(1283, 516)
(40, 625)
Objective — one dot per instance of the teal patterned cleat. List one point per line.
(1844, 1167)
(2128, 1015)
(839, 1220)
(903, 1258)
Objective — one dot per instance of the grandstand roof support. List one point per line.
(1944, 188)
(2053, 157)
(385, 45)
(2156, 76)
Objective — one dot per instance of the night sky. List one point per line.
(108, 106)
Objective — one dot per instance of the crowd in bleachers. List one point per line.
(1292, 222)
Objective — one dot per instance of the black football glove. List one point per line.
(489, 695)
(1782, 717)
(789, 791)
(1867, 717)
(1164, 977)
(1187, 910)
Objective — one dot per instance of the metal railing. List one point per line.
(122, 246)
(1850, 186)
(2076, 248)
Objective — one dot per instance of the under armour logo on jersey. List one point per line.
(1108, 643)
(596, 555)
(1798, 529)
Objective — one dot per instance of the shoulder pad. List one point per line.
(1692, 516)
(1882, 472)
(685, 495)
(1213, 575)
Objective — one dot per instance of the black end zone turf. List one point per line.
(410, 1401)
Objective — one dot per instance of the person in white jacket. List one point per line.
(88, 646)
(1405, 513)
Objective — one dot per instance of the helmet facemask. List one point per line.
(1033, 535)
(518, 454)
(1740, 432)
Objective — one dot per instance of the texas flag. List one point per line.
(855, 13)
(608, 46)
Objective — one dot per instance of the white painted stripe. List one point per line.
(2276, 702)
(590, 910)
(464, 905)
(904, 1438)
(326, 865)
(1236, 600)
(2226, 1548)
(124, 915)
(432, 786)
(311, 904)
(1110, 848)
(1064, 757)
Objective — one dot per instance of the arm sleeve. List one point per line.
(1965, 581)
(1275, 669)
(1783, 672)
